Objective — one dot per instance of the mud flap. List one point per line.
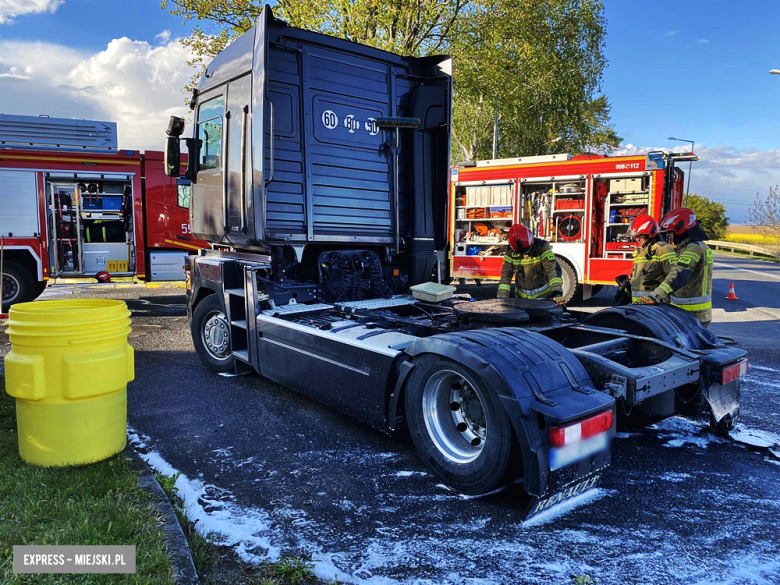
(539, 505)
(723, 402)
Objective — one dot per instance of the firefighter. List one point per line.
(654, 261)
(691, 279)
(532, 262)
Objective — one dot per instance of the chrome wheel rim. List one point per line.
(455, 416)
(11, 288)
(216, 335)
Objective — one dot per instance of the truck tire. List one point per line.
(211, 335)
(572, 290)
(459, 426)
(18, 285)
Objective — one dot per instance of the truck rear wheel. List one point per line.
(211, 335)
(459, 426)
(18, 285)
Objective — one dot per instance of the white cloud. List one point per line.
(703, 41)
(133, 83)
(671, 33)
(164, 36)
(9, 9)
(726, 174)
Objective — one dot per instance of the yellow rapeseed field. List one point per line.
(754, 239)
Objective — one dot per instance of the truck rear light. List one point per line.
(561, 436)
(732, 372)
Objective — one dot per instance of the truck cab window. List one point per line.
(210, 116)
(183, 196)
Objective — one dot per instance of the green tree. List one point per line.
(538, 63)
(765, 215)
(712, 215)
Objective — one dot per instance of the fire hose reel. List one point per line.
(570, 228)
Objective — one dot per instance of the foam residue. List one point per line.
(755, 437)
(237, 526)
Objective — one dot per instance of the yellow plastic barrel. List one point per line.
(68, 369)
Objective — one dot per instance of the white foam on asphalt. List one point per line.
(243, 528)
(461, 550)
(755, 437)
(763, 368)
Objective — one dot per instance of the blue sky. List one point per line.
(695, 70)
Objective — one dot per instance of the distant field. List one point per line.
(745, 234)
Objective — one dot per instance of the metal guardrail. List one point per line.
(749, 248)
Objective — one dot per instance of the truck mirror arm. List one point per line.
(193, 146)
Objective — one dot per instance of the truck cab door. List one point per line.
(238, 158)
(209, 206)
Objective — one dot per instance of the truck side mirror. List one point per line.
(172, 156)
(175, 126)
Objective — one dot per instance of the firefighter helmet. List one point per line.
(644, 225)
(520, 238)
(679, 220)
(103, 276)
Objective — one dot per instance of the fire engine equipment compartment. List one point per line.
(91, 224)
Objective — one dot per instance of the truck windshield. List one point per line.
(210, 116)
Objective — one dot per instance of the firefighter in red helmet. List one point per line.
(532, 263)
(691, 285)
(654, 261)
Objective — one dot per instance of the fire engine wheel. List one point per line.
(211, 335)
(18, 285)
(572, 290)
(459, 426)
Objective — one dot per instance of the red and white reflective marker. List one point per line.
(733, 372)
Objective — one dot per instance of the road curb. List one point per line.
(184, 572)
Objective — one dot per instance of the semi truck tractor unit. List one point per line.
(72, 204)
(320, 176)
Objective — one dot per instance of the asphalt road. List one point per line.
(274, 472)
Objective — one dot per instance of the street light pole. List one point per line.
(690, 166)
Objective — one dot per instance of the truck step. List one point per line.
(296, 309)
(242, 323)
(373, 304)
(242, 354)
(239, 292)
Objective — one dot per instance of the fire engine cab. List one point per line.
(582, 205)
(72, 204)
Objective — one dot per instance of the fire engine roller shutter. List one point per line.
(18, 204)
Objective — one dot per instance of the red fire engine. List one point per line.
(582, 205)
(73, 205)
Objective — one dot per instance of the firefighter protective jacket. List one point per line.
(653, 263)
(536, 272)
(692, 282)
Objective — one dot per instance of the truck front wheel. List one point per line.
(211, 335)
(459, 426)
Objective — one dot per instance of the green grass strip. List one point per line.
(97, 504)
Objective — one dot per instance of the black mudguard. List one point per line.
(540, 383)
